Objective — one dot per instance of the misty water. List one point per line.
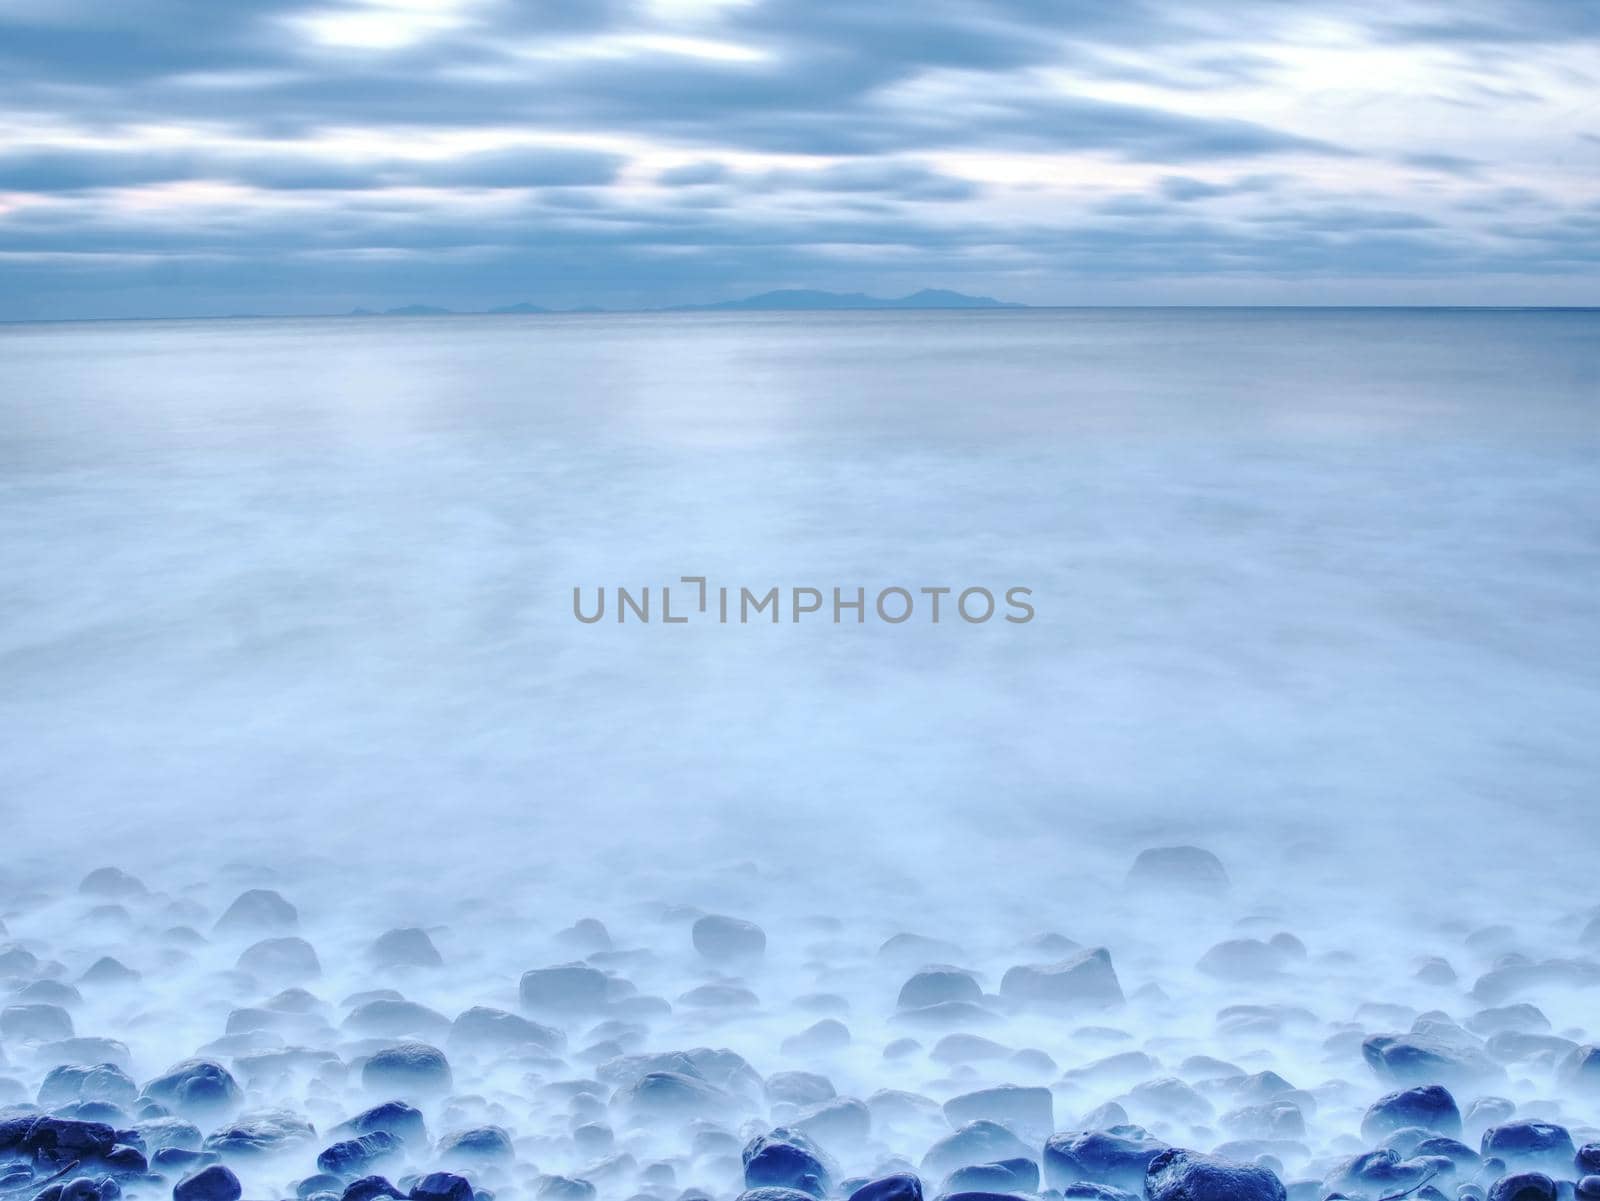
(288, 605)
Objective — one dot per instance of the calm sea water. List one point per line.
(1330, 573)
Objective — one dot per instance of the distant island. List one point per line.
(784, 300)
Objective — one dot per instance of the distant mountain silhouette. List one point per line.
(783, 300)
(812, 298)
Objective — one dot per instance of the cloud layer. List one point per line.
(313, 155)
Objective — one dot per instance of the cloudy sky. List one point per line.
(172, 157)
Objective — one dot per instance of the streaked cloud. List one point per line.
(286, 154)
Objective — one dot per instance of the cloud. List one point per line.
(578, 150)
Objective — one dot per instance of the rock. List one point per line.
(1180, 869)
(108, 971)
(481, 1144)
(1242, 959)
(393, 1117)
(787, 1159)
(563, 1188)
(799, 1088)
(936, 985)
(407, 947)
(1120, 1156)
(288, 958)
(442, 1186)
(408, 1069)
(1430, 1106)
(727, 938)
(357, 1156)
(216, 1183)
(1025, 1110)
(369, 1188)
(976, 1142)
(1524, 1186)
(1531, 1145)
(72, 1082)
(264, 1132)
(1580, 1069)
(901, 1186)
(257, 911)
(566, 988)
(1178, 1175)
(481, 1028)
(1084, 980)
(393, 1019)
(1430, 1057)
(586, 935)
(661, 1095)
(759, 1194)
(1522, 1016)
(820, 1038)
(111, 882)
(1005, 1176)
(1170, 1098)
(914, 950)
(199, 1088)
(35, 1023)
(1378, 1173)
(841, 1122)
(58, 1140)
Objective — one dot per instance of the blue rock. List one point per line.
(182, 1159)
(1178, 1175)
(394, 1117)
(1379, 1174)
(200, 1088)
(77, 1082)
(564, 1188)
(1534, 1145)
(787, 1159)
(1024, 1109)
(1580, 1070)
(288, 958)
(216, 1183)
(1185, 869)
(1524, 1186)
(1430, 1106)
(727, 938)
(1085, 1191)
(819, 1038)
(483, 1144)
(767, 1193)
(938, 985)
(1119, 1156)
(1429, 1057)
(1244, 959)
(900, 1187)
(265, 1132)
(59, 1140)
(1006, 1176)
(389, 1018)
(981, 1141)
(409, 947)
(567, 988)
(111, 882)
(442, 1186)
(318, 1184)
(408, 1069)
(258, 910)
(658, 1095)
(369, 1188)
(357, 1156)
(1085, 980)
(38, 1023)
(483, 1027)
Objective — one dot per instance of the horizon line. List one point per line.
(732, 309)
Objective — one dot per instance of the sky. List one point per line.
(175, 157)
